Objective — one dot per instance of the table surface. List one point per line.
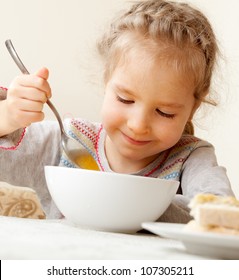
(58, 239)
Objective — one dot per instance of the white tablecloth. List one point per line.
(58, 239)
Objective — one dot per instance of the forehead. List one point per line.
(184, 60)
(141, 66)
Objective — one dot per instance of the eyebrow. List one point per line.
(163, 104)
(171, 104)
(124, 89)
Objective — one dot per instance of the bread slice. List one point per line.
(214, 213)
(20, 202)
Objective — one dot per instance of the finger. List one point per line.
(29, 106)
(43, 73)
(33, 95)
(23, 105)
(21, 83)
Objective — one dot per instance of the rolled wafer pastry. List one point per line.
(20, 202)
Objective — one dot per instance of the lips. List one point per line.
(135, 142)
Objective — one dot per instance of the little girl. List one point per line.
(158, 62)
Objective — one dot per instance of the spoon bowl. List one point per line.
(74, 150)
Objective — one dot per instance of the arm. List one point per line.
(200, 174)
(178, 211)
(21, 106)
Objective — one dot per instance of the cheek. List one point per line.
(169, 133)
(111, 115)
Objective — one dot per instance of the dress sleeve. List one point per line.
(200, 174)
(24, 167)
(11, 141)
(178, 211)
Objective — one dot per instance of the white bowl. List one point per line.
(108, 201)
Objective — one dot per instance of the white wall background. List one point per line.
(61, 35)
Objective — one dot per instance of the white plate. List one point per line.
(200, 243)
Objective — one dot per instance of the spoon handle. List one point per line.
(15, 57)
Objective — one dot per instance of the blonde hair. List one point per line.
(175, 31)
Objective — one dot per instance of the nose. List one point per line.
(139, 123)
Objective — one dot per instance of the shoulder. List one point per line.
(189, 146)
(192, 142)
(196, 151)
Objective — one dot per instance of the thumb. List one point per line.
(43, 73)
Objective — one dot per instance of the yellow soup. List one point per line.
(86, 162)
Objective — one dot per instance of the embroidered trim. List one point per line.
(157, 167)
(66, 162)
(18, 143)
(97, 148)
(85, 130)
(79, 129)
(171, 176)
(180, 147)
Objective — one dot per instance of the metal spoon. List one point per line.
(75, 151)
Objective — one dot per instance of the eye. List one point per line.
(125, 101)
(165, 115)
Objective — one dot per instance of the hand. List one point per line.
(26, 97)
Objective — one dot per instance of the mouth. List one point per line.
(134, 141)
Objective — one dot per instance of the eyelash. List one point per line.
(165, 115)
(125, 101)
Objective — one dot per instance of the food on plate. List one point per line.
(215, 214)
(20, 202)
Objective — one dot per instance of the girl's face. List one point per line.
(146, 107)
